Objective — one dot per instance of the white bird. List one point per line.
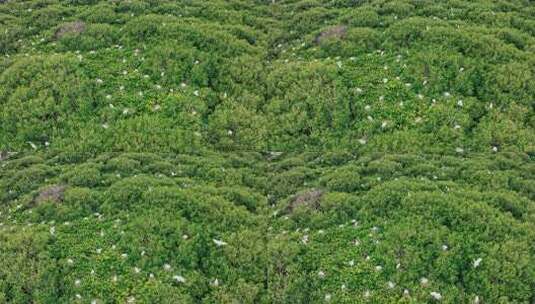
(435, 295)
(391, 284)
(424, 281)
(321, 274)
(179, 279)
(477, 262)
(167, 267)
(219, 243)
(328, 297)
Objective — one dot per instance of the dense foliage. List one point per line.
(287, 151)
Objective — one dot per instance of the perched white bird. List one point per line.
(179, 279)
(219, 243)
(477, 262)
(321, 274)
(215, 283)
(424, 281)
(435, 295)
